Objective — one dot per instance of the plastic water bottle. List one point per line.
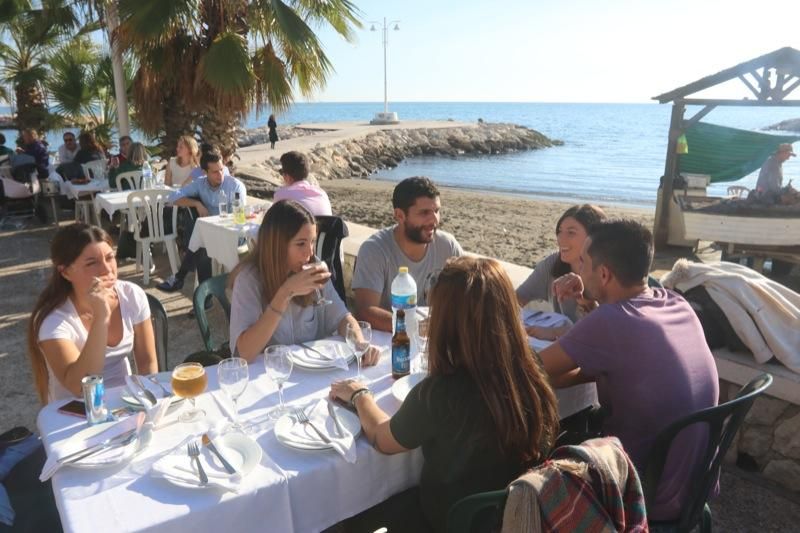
(404, 296)
(147, 175)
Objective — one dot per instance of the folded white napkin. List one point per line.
(318, 415)
(327, 355)
(155, 413)
(79, 442)
(178, 467)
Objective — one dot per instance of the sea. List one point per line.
(612, 153)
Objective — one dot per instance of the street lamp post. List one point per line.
(386, 117)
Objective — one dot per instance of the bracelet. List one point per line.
(357, 394)
(269, 306)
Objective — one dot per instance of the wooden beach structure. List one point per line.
(768, 80)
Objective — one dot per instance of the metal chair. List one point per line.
(146, 208)
(158, 316)
(723, 422)
(330, 232)
(215, 287)
(738, 191)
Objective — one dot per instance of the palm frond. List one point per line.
(226, 66)
(342, 15)
(272, 80)
(147, 23)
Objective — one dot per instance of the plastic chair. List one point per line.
(18, 193)
(738, 191)
(653, 283)
(95, 169)
(723, 422)
(330, 232)
(477, 512)
(158, 315)
(215, 287)
(147, 207)
(129, 181)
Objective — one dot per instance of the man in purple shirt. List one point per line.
(644, 348)
(294, 169)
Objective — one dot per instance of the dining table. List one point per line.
(113, 201)
(222, 237)
(78, 190)
(288, 490)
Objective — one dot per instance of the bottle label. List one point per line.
(401, 360)
(404, 301)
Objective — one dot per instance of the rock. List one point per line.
(787, 437)
(756, 441)
(765, 411)
(786, 473)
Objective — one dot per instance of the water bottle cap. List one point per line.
(403, 270)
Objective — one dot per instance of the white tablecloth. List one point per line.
(114, 201)
(72, 190)
(220, 238)
(290, 490)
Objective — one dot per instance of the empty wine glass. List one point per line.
(233, 376)
(279, 365)
(359, 343)
(319, 299)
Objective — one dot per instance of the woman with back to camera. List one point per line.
(483, 415)
(571, 232)
(273, 292)
(86, 321)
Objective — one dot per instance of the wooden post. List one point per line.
(661, 226)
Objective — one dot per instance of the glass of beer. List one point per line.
(189, 380)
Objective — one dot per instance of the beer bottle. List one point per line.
(401, 348)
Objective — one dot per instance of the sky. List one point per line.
(552, 51)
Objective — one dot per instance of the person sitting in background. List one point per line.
(86, 321)
(32, 146)
(414, 241)
(204, 195)
(89, 150)
(571, 230)
(272, 301)
(483, 415)
(198, 171)
(187, 158)
(125, 144)
(646, 350)
(5, 151)
(137, 155)
(294, 169)
(67, 151)
(770, 177)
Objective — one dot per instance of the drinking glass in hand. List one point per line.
(319, 299)
(233, 377)
(279, 365)
(359, 343)
(189, 380)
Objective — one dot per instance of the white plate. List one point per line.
(106, 458)
(309, 360)
(242, 452)
(403, 386)
(165, 378)
(310, 440)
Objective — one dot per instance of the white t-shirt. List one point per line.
(64, 323)
(179, 173)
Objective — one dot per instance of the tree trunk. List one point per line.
(31, 109)
(219, 130)
(177, 121)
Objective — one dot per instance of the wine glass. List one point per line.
(319, 299)
(189, 380)
(359, 343)
(279, 365)
(233, 376)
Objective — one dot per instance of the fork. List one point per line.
(165, 392)
(194, 453)
(302, 417)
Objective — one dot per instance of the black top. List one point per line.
(84, 156)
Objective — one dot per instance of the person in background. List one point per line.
(32, 146)
(204, 195)
(273, 131)
(67, 151)
(137, 155)
(770, 177)
(294, 170)
(5, 151)
(125, 143)
(187, 158)
(272, 301)
(484, 414)
(415, 241)
(90, 149)
(86, 321)
(645, 349)
(571, 231)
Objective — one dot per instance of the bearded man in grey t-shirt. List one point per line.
(415, 242)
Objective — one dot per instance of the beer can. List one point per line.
(94, 397)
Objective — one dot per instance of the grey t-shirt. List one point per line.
(539, 286)
(299, 324)
(380, 257)
(770, 177)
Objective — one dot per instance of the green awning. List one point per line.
(727, 154)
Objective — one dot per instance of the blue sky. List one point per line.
(553, 51)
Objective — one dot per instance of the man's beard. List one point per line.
(414, 234)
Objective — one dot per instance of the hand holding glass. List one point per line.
(189, 380)
(279, 365)
(233, 376)
(319, 299)
(358, 339)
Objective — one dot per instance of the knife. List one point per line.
(146, 392)
(210, 445)
(323, 355)
(91, 450)
(332, 412)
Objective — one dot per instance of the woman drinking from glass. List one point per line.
(86, 321)
(483, 415)
(273, 288)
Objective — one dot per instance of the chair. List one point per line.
(95, 169)
(16, 193)
(158, 315)
(215, 287)
(738, 191)
(477, 512)
(330, 232)
(653, 283)
(129, 181)
(723, 422)
(146, 209)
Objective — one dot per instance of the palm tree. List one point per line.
(204, 64)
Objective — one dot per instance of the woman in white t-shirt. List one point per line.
(180, 166)
(86, 321)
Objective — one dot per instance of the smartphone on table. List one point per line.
(74, 408)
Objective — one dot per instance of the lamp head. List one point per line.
(396, 27)
(372, 28)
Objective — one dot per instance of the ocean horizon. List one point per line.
(612, 153)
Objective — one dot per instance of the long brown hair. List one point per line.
(588, 216)
(281, 223)
(486, 339)
(67, 246)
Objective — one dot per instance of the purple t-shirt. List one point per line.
(653, 367)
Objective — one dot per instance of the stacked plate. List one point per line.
(322, 355)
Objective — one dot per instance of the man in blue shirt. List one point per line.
(204, 194)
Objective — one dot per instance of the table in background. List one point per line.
(220, 237)
(75, 190)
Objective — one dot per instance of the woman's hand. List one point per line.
(371, 356)
(100, 298)
(306, 281)
(568, 286)
(343, 390)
